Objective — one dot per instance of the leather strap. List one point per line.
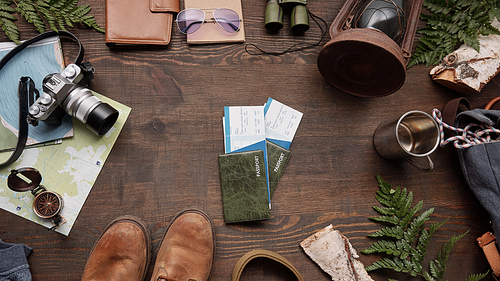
(450, 112)
(489, 245)
(246, 258)
(24, 88)
(491, 104)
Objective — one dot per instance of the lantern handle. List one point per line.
(342, 17)
(411, 28)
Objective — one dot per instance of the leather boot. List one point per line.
(122, 252)
(187, 249)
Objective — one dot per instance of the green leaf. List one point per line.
(388, 219)
(403, 247)
(7, 20)
(10, 30)
(383, 246)
(385, 211)
(461, 20)
(477, 277)
(29, 12)
(435, 270)
(445, 253)
(395, 264)
(57, 14)
(428, 277)
(393, 232)
(425, 237)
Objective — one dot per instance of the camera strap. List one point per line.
(27, 87)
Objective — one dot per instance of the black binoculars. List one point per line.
(299, 19)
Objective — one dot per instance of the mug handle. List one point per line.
(429, 162)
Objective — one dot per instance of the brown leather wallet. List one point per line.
(139, 22)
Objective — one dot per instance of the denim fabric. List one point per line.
(13, 262)
(481, 164)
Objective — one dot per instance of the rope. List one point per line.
(470, 135)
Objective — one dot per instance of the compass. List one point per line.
(47, 204)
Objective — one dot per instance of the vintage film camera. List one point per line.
(66, 93)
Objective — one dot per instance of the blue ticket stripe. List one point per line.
(227, 130)
(267, 105)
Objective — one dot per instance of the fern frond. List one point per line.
(386, 211)
(7, 21)
(383, 246)
(450, 22)
(388, 219)
(69, 6)
(396, 264)
(7, 15)
(488, 29)
(424, 239)
(79, 11)
(436, 271)
(393, 232)
(437, 7)
(4, 6)
(411, 233)
(29, 12)
(445, 253)
(494, 13)
(90, 22)
(404, 245)
(428, 277)
(384, 199)
(10, 30)
(406, 220)
(477, 277)
(384, 186)
(57, 14)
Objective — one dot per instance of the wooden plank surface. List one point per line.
(165, 158)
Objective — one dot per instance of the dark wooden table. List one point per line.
(165, 158)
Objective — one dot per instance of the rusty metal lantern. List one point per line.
(361, 58)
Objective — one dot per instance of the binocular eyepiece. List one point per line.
(299, 19)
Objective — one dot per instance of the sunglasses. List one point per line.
(190, 20)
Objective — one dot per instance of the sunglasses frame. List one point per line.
(213, 19)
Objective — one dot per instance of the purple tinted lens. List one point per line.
(227, 19)
(188, 21)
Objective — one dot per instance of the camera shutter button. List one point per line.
(69, 72)
(45, 99)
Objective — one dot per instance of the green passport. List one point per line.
(277, 158)
(244, 186)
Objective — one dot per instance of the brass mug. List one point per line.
(414, 134)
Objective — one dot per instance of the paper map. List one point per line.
(36, 61)
(69, 168)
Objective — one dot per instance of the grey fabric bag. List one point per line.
(13, 262)
(481, 164)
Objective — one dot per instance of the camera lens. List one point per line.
(84, 106)
(102, 118)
